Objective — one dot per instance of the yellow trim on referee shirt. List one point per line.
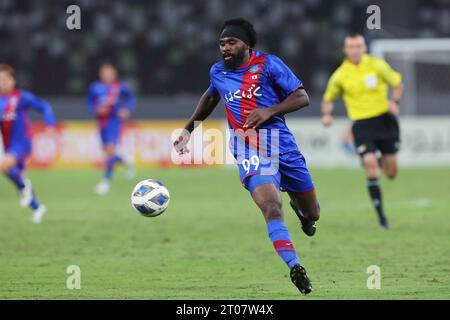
(364, 87)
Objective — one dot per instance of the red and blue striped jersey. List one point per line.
(261, 83)
(15, 122)
(116, 96)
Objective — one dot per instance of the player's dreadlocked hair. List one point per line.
(246, 25)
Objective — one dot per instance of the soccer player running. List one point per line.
(363, 81)
(258, 89)
(112, 103)
(16, 136)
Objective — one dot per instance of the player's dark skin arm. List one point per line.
(295, 101)
(205, 106)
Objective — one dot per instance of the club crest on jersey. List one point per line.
(254, 69)
(11, 114)
(239, 94)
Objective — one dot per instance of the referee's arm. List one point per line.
(394, 79)
(397, 93)
(332, 92)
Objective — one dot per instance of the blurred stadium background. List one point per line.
(164, 49)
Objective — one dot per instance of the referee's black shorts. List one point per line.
(378, 133)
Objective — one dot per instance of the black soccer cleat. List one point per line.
(308, 225)
(300, 279)
(384, 224)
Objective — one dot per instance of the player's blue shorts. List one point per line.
(288, 173)
(21, 151)
(110, 132)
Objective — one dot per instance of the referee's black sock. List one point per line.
(375, 194)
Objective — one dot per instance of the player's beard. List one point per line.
(235, 61)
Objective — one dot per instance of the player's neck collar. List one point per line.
(250, 60)
(13, 92)
(114, 83)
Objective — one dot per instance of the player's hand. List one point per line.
(124, 114)
(327, 120)
(393, 108)
(180, 144)
(257, 117)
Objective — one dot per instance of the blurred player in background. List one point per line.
(112, 103)
(258, 89)
(16, 136)
(363, 81)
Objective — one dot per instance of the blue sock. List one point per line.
(110, 163)
(281, 240)
(15, 175)
(34, 203)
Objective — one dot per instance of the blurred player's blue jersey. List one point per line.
(15, 122)
(261, 83)
(115, 96)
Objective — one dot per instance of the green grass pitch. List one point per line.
(212, 244)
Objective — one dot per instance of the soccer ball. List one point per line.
(150, 198)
